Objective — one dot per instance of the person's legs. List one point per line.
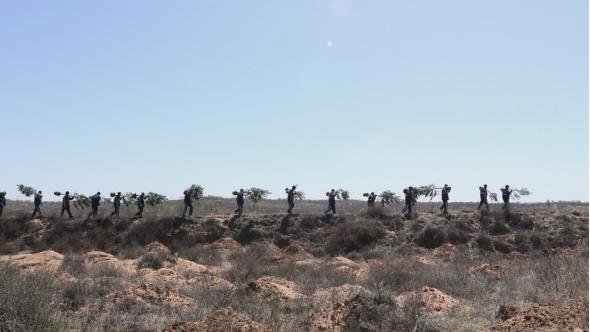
(69, 213)
(190, 209)
(63, 209)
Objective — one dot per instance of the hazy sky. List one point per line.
(361, 95)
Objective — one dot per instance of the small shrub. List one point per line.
(248, 233)
(431, 237)
(73, 264)
(201, 254)
(568, 236)
(522, 243)
(153, 260)
(74, 295)
(250, 264)
(457, 235)
(26, 301)
(485, 243)
(498, 228)
(537, 241)
(502, 247)
(351, 236)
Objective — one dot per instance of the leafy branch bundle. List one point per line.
(426, 191)
(518, 193)
(25, 190)
(129, 199)
(300, 195)
(195, 191)
(256, 194)
(389, 197)
(341, 194)
(154, 199)
(493, 196)
(82, 202)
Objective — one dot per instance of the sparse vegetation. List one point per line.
(365, 271)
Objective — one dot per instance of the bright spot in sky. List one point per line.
(329, 43)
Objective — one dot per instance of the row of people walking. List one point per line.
(410, 199)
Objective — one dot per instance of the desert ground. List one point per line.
(359, 270)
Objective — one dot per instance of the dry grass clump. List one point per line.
(26, 301)
(431, 237)
(354, 235)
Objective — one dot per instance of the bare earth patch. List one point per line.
(571, 316)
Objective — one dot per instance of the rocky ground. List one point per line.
(519, 271)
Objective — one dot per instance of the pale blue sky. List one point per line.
(363, 95)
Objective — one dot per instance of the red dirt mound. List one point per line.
(570, 316)
(431, 300)
(493, 270)
(48, 259)
(155, 247)
(277, 288)
(339, 294)
(220, 321)
(298, 252)
(150, 294)
(226, 244)
(446, 249)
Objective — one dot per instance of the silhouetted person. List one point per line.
(65, 204)
(116, 204)
(483, 197)
(371, 200)
(290, 199)
(506, 192)
(240, 202)
(2, 202)
(188, 204)
(331, 202)
(94, 204)
(140, 205)
(445, 198)
(38, 202)
(409, 200)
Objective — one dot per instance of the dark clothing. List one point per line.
(371, 200)
(445, 199)
(331, 203)
(445, 193)
(291, 200)
(65, 205)
(506, 196)
(240, 202)
(483, 196)
(409, 200)
(188, 205)
(38, 201)
(116, 205)
(94, 203)
(140, 205)
(2, 204)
